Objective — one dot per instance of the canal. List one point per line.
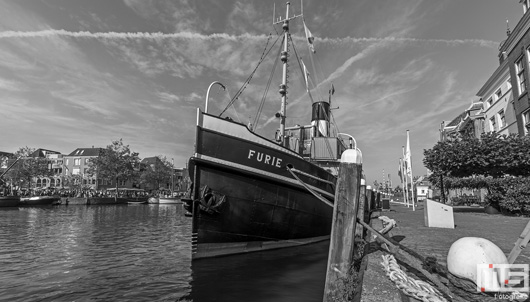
(139, 253)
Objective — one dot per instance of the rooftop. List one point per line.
(86, 152)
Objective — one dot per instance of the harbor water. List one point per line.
(139, 253)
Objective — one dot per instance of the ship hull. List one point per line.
(245, 199)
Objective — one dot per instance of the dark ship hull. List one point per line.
(245, 197)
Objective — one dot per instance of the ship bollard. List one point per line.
(342, 247)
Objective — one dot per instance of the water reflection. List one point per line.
(140, 253)
(294, 274)
(96, 252)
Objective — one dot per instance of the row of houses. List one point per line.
(502, 103)
(77, 163)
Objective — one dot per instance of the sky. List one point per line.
(83, 73)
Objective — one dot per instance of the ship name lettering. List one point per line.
(265, 158)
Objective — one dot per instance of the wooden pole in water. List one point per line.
(359, 231)
(344, 221)
(369, 200)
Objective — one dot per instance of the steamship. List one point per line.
(252, 193)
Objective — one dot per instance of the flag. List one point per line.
(400, 170)
(310, 38)
(408, 165)
(332, 90)
(306, 74)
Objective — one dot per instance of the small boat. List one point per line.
(169, 200)
(9, 201)
(136, 201)
(152, 200)
(39, 200)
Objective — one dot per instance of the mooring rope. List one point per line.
(306, 186)
(416, 288)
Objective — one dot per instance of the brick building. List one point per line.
(77, 163)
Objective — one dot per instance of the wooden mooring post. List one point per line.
(369, 200)
(341, 247)
(361, 211)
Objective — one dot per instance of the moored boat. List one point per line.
(39, 200)
(251, 193)
(152, 200)
(136, 201)
(169, 200)
(9, 201)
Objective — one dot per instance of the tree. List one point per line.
(73, 181)
(116, 162)
(492, 155)
(28, 167)
(499, 163)
(158, 173)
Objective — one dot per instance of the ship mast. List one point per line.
(284, 58)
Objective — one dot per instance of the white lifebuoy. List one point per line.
(467, 253)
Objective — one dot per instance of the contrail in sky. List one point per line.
(121, 35)
(190, 35)
(455, 42)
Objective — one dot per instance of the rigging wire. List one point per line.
(301, 68)
(260, 108)
(247, 81)
(327, 142)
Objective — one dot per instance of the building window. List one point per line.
(86, 161)
(526, 5)
(502, 119)
(509, 84)
(526, 122)
(67, 161)
(493, 125)
(521, 80)
(77, 161)
(76, 171)
(489, 102)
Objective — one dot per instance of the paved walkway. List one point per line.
(499, 229)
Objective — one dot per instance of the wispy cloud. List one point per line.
(179, 15)
(10, 85)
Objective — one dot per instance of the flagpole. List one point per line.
(401, 177)
(406, 190)
(400, 174)
(411, 175)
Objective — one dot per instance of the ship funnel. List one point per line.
(320, 119)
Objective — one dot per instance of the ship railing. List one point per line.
(208, 93)
(353, 142)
